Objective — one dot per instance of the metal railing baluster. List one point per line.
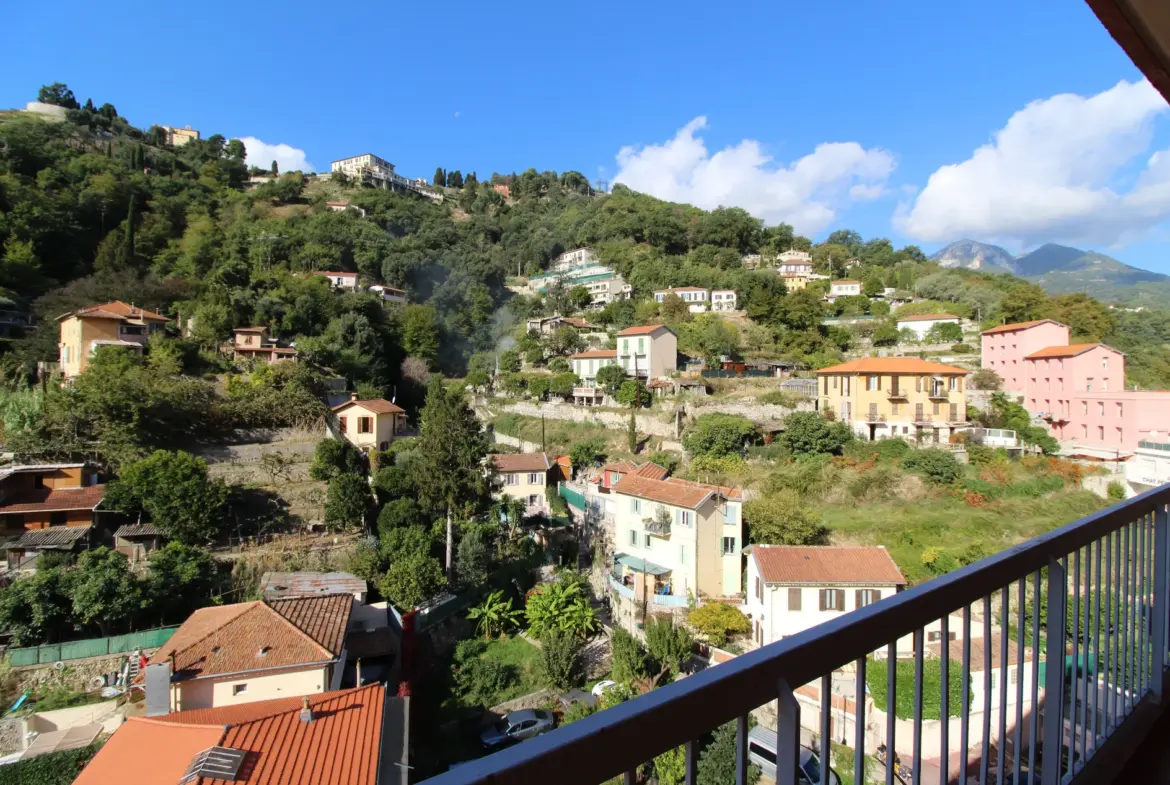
(741, 750)
(1021, 651)
(917, 754)
(1113, 580)
(1145, 648)
(1127, 624)
(1004, 669)
(630, 777)
(964, 722)
(859, 724)
(1074, 687)
(1096, 641)
(944, 700)
(826, 719)
(1034, 706)
(891, 706)
(692, 775)
(985, 746)
(787, 735)
(1159, 604)
(1054, 673)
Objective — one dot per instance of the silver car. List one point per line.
(517, 726)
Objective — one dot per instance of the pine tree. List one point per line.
(455, 179)
(127, 251)
(440, 179)
(275, 170)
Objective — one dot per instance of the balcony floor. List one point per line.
(1151, 761)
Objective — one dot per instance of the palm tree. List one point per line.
(495, 615)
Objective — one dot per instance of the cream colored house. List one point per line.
(524, 477)
(114, 324)
(251, 651)
(844, 288)
(792, 588)
(368, 425)
(696, 297)
(884, 397)
(648, 352)
(177, 137)
(673, 540)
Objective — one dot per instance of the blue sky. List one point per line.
(898, 91)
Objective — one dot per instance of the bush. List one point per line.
(559, 365)
(962, 348)
(666, 459)
(560, 660)
(478, 680)
(875, 677)
(980, 455)
(587, 453)
(629, 658)
(1039, 437)
(718, 435)
(717, 621)
(347, 500)
(781, 398)
(397, 513)
(809, 433)
(986, 379)
(54, 768)
(333, 457)
(783, 519)
(938, 561)
(1115, 491)
(538, 387)
(893, 448)
(939, 466)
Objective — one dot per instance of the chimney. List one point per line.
(306, 712)
(353, 396)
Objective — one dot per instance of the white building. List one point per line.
(572, 260)
(794, 256)
(794, 268)
(751, 261)
(978, 652)
(674, 540)
(1150, 464)
(389, 294)
(359, 166)
(792, 588)
(340, 280)
(341, 207)
(603, 284)
(648, 352)
(920, 325)
(723, 300)
(844, 288)
(587, 364)
(695, 297)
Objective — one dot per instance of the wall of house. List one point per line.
(382, 427)
(524, 489)
(1004, 352)
(213, 692)
(677, 552)
(586, 368)
(69, 349)
(42, 520)
(901, 415)
(663, 354)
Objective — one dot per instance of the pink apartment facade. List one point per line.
(1005, 347)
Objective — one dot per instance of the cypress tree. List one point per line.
(275, 170)
(128, 241)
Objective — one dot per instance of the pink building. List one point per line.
(1005, 347)
(1080, 392)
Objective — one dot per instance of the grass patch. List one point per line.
(560, 435)
(54, 768)
(518, 653)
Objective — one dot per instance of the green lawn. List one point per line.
(521, 655)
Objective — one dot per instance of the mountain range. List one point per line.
(1061, 269)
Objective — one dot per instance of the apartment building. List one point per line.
(723, 300)
(1004, 348)
(920, 325)
(844, 289)
(884, 397)
(523, 477)
(359, 166)
(674, 540)
(572, 260)
(648, 352)
(792, 588)
(793, 256)
(116, 323)
(1079, 391)
(696, 297)
(177, 137)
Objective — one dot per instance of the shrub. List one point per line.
(717, 620)
(893, 448)
(979, 455)
(931, 688)
(722, 466)
(587, 453)
(939, 466)
(538, 387)
(346, 502)
(399, 512)
(781, 398)
(629, 658)
(333, 457)
(783, 519)
(938, 561)
(1115, 491)
(560, 660)
(54, 768)
(559, 365)
(962, 348)
(1039, 437)
(986, 379)
(666, 459)
(808, 433)
(478, 680)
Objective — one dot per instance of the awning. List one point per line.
(638, 564)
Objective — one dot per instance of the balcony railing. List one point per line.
(1104, 582)
(658, 526)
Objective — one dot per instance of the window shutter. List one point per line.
(879, 383)
(794, 599)
(917, 384)
(839, 599)
(823, 596)
(858, 599)
(341, 421)
(759, 592)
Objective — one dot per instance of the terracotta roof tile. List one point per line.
(827, 564)
(928, 317)
(610, 354)
(675, 494)
(735, 494)
(522, 462)
(580, 324)
(375, 405)
(230, 638)
(977, 652)
(340, 746)
(1072, 350)
(645, 329)
(116, 310)
(1007, 328)
(651, 471)
(907, 365)
(55, 499)
(625, 467)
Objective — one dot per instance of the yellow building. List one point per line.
(177, 137)
(884, 397)
(525, 477)
(369, 425)
(112, 324)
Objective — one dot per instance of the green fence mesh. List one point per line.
(92, 647)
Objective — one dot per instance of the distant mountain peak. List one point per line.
(975, 255)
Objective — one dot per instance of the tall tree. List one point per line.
(449, 461)
(455, 179)
(440, 178)
(127, 251)
(172, 490)
(58, 94)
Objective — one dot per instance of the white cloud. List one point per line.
(1058, 171)
(262, 154)
(807, 194)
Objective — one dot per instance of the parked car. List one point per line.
(567, 699)
(600, 687)
(762, 752)
(517, 726)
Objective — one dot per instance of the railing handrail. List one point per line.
(621, 738)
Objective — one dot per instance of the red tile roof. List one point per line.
(522, 462)
(645, 329)
(675, 494)
(955, 650)
(1072, 350)
(880, 365)
(1007, 328)
(54, 499)
(928, 317)
(735, 494)
(651, 471)
(115, 310)
(258, 635)
(610, 354)
(340, 746)
(625, 467)
(580, 324)
(860, 565)
(375, 405)
(334, 272)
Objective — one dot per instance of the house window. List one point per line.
(794, 599)
(633, 538)
(728, 546)
(645, 540)
(684, 517)
(832, 599)
(1085, 408)
(682, 554)
(1101, 432)
(872, 382)
(759, 589)
(1119, 409)
(937, 409)
(865, 597)
(1085, 431)
(533, 500)
(342, 424)
(1088, 385)
(1101, 408)
(239, 689)
(365, 424)
(730, 514)
(1105, 385)
(954, 383)
(511, 479)
(534, 478)
(636, 506)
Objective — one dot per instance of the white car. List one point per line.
(600, 687)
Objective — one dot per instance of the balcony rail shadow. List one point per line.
(1101, 583)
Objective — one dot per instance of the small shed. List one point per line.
(22, 553)
(284, 585)
(136, 541)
